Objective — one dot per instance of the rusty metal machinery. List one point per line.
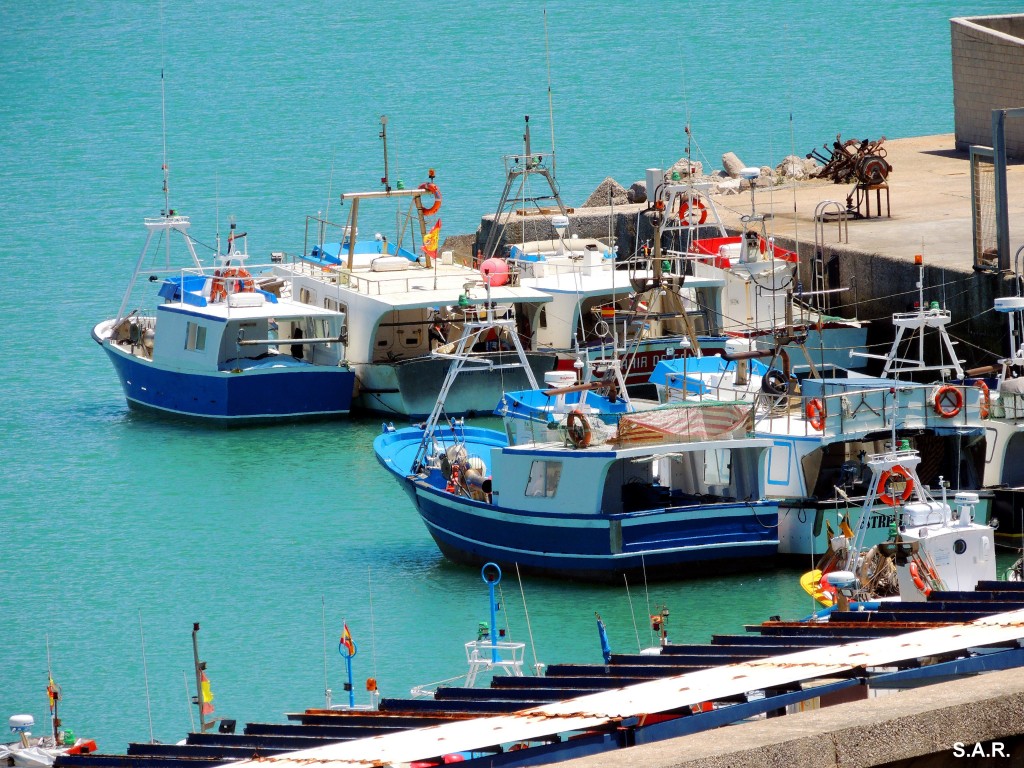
(861, 160)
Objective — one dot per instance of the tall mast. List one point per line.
(384, 136)
(199, 677)
(166, 170)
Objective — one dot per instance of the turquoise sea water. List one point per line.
(108, 517)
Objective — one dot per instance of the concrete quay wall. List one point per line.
(929, 727)
(929, 202)
(988, 73)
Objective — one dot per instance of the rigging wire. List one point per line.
(145, 677)
(632, 613)
(537, 666)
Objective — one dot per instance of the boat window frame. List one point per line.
(195, 336)
(543, 478)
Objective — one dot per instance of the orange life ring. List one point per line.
(578, 430)
(942, 400)
(684, 213)
(431, 187)
(883, 486)
(219, 291)
(816, 414)
(986, 398)
(915, 575)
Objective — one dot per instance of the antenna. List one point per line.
(163, 128)
(551, 109)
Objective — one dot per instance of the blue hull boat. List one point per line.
(268, 389)
(590, 513)
(226, 345)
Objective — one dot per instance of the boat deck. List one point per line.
(415, 285)
(580, 709)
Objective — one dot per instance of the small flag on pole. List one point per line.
(430, 240)
(346, 642)
(602, 633)
(205, 694)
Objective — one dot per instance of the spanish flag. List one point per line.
(346, 641)
(53, 691)
(205, 694)
(430, 240)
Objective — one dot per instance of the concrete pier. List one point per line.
(929, 202)
(930, 727)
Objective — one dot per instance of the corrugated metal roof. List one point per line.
(663, 695)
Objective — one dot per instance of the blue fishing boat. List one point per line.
(660, 493)
(229, 343)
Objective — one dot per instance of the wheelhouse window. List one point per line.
(195, 337)
(544, 477)
(717, 466)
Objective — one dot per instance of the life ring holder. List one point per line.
(944, 406)
(685, 215)
(816, 413)
(431, 187)
(577, 429)
(883, 486)
(985, 406)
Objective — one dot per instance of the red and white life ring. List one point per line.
(244, 283)
(816, 414)
(948, 401)
(883, 486)
(698, 216)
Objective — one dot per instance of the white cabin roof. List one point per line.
(222, 311)
(604, 282)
